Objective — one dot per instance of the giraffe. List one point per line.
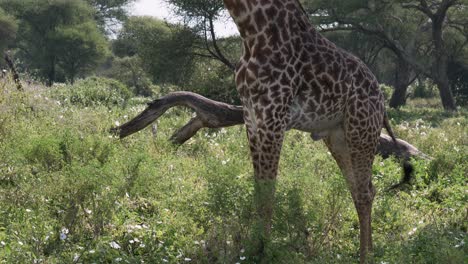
(291, 77)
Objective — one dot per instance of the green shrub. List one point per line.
(92, 91)
(387, 91)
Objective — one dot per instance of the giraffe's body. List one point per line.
(291, 77)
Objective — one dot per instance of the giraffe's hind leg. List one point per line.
(356, 165)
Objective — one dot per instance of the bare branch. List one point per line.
(214, 114)
(210, 113)
(216, 47)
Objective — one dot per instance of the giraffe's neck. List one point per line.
(253, 16)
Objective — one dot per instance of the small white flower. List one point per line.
(117, 123)
(242, 250)
(142, 245)
(242, 258)
(76, 257)
(92, 251)
(223, 162)
(65, 230)
(21, 243)
(118, 259)
(2, 243)
(165, 260)
(28, 210)
(459, 245)
(131, 241)
(114, 245)
(87, 211)
(412, 231)
(187, 259)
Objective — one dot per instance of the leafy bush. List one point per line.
(92, 91)
(387, 91)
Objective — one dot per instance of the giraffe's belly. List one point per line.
(315, 122)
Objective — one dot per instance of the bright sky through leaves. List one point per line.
(160, 9)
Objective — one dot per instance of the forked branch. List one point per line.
(214, 114)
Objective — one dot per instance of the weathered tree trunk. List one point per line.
(402, 81)
(213, 114)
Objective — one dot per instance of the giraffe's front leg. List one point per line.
(265, 139)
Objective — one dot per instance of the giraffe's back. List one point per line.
(332, 85)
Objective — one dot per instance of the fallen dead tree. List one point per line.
(214, 114)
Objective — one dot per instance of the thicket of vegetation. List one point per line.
(72, 192)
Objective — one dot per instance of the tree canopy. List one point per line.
(58, 39)
(164, 49)
(8, 28)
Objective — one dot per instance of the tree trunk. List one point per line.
(440, 65)
(402, 81)
(442, 81)
(51, 73)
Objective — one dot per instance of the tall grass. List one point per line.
(70, 192)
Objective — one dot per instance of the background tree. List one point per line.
(384, 24)
(202, 14)
(110, 13)
(8, 28)
(164, 49)
(414, 37)
(80, 48)
(437, 12)
(45, 26)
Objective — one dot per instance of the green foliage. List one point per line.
(163, 49)
(214, 80)
(70, 192)
(80, 49)
(59, 39)
(129, 71)
(110, 12)
(8, 28)
(92, 91)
